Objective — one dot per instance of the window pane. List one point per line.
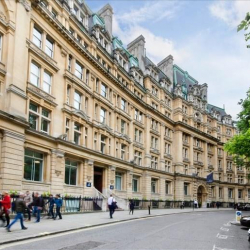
(33, 121)
(67, 175)
(49, 48)
(37, 37)
(33, 107)
(35, 74)
(27, 168)
(46, 82)
(118, 182)
(38, 170)
(45, 113)
(45, 126)
(73, 173)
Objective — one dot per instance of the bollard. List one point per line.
(148, 209)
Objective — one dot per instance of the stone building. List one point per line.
(82, 114)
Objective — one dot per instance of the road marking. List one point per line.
(224, 237)
(219, 248)
(227, 225)
(224, 229)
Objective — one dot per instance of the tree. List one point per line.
(245, 25)
(239, 145)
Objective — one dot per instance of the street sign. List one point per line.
(88, 184)
(238, 215)
(111, 186)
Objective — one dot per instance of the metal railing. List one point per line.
(72, 204)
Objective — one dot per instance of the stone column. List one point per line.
(178, 151)
(205, 156)
(12, 161)
(57, 173)
(146, 185)
(131, 145)
(162, 147)
(191, 166)
(162, 190)
(129, 183)
(147, 161)
(110, 179)
(179, 189)
(88, 176)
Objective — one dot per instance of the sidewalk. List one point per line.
(72, 222)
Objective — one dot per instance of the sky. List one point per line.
(201, 36)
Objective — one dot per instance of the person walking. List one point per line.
(196, 204)
(218, 204)
(6, 204)
(20, 209)
(51, 203)
(28, 200)
(111, 205)
(58, 202)
(38, 204)
(131, 206)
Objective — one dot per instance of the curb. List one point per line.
(96, 225)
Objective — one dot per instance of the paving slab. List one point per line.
(72, 222)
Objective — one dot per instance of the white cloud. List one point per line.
(231, 12)
(221, 63)
(155, 11)
(226, 72)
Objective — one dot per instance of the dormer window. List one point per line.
(75, 10)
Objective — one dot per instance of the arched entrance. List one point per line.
(202, 196)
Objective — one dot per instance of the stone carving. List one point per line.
(178, 90)
(42, 54)
(41, 93)
(82, 114)
(2, 16)
(63, 136)
(25, 4)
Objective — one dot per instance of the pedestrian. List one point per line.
(28, 200)
(111, 205)
(6, 206)
(58, 202)
(182, 205)
(38, 204)
(20, 209)
(131, 206)
(218, 205)
(51, 203)
(196, 204)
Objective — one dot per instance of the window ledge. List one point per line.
(36, 182)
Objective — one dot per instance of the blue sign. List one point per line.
(210, 178)
(238, 213)
(88, 184)
(111, 187)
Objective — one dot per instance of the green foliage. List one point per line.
(239, 145)
(244, 25)
(46, 194)
(13, 192)
(244, 116)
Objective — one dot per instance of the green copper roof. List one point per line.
(182, 77)
(98, 20)
(117, 43)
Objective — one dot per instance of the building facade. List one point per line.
(81, 114)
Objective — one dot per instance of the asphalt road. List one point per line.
(208, 231)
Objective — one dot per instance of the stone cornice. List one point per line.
(14, 119)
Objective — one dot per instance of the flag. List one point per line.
(210, 178)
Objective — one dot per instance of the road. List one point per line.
(208, 231)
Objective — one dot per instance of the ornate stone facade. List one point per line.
(83, 115)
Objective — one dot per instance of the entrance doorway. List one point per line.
(202, 196)
(98, 178)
